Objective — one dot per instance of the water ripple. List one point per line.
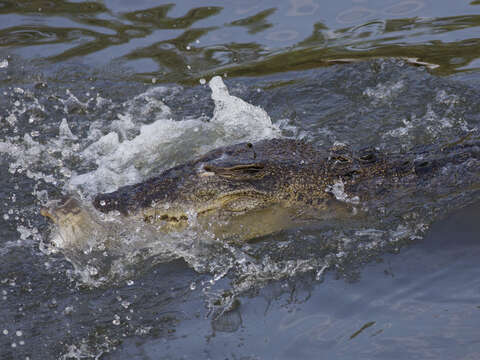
(181, 42)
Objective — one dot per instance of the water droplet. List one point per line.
(92, 270)
(125, 304)
(68, 310)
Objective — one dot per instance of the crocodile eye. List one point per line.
(237, 172)
(206, 171)
(368, 158)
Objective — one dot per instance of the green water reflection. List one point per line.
(182, 42)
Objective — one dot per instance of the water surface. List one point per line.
(96, 95)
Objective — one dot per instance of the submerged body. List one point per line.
(245, 191)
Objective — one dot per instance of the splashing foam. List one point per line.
(166, 142)
(131, 152)
(384, 92)
(142, 141)
(432, 124)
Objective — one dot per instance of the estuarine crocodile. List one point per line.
(247, 190)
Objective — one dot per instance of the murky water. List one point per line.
(97, 95)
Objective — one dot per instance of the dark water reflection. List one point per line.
(423, 303)
(183, 41)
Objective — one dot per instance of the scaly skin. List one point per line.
(246, 190)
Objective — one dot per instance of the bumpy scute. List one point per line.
(249, 190)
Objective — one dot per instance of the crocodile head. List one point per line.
(241, 191)
(227, 187)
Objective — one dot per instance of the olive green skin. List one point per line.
(248, 190)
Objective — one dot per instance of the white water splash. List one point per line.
(238, 118)
(64, 131)
(384, 92)
(167, 142)
(431, 123)
(141, 141)
(338, 190)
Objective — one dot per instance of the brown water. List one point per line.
(403, 286)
